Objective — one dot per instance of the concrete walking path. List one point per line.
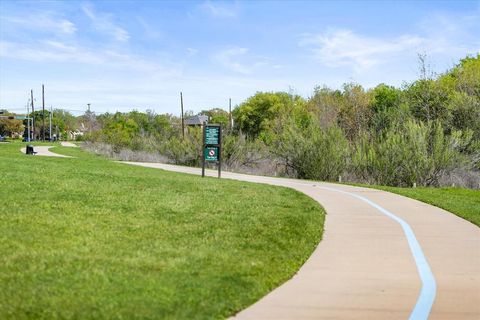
(44, 151)
(366, 266)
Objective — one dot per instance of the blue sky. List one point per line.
(124, 55)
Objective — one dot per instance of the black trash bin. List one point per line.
(30, 150)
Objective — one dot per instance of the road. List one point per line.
(383, 256)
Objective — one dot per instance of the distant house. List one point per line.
(198, 120)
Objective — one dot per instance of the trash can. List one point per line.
(30, 150)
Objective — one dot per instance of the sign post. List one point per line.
(212, 146)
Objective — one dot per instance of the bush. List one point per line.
(312, 152)
(413, 152)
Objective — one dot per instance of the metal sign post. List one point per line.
(212, 146)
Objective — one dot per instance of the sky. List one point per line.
(126, 55)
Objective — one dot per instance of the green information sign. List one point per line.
(212, 135)
(212, 147)
(211, 153)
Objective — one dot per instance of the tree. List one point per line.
(255, 117)
(11, 127)
(325, 104)
(386, 106)
(217, 115)
(355, 112)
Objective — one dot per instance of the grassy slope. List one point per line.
(89, 238)
(464, 203)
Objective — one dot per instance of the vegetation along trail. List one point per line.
(369, 265)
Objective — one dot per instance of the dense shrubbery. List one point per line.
(427, 132)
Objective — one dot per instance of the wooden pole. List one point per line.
(230, 113)
(28, 124)
(183, 122)
(33, 115)
(203, 150)
(50, 127)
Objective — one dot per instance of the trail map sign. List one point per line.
(212, 135)
(212, 146)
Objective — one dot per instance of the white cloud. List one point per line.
(441, 35)
(229, 59)
(104, 23)
(56, 51)
(240, 60)
(220, 10)
(43, 21)
(192, 52)
(346, 48)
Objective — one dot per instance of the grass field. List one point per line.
(88, 238)
(465, 203)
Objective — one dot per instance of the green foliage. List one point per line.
(387, 107)
(256, 116)
(428, 100)
(185, 151)
(355, 110)
(10, 127)
(121, 131)
(64, 120)
(420, 133)
(325, 106)
(409, 153)
(217, 116)
(239, 152)
(312, 152)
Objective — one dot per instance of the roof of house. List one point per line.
(196, 120)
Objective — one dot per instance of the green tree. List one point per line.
(217, 115)
(355, 113)
(255, 117)
(386, 107)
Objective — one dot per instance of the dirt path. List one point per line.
(383, 256)
(44, 151)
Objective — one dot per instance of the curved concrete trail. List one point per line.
(44, 151)
(364, 268)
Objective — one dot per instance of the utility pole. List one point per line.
(43, 113)
(230, 113)
(33, 115)
(28, 124)
(183, 122)
(89, 119)
(50, 127)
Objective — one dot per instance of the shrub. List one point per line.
(312, 152)
(413, 152)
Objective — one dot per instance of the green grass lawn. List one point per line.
(464, 203)
(88, 238)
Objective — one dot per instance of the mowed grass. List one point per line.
(465, 203)
(88, 238)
